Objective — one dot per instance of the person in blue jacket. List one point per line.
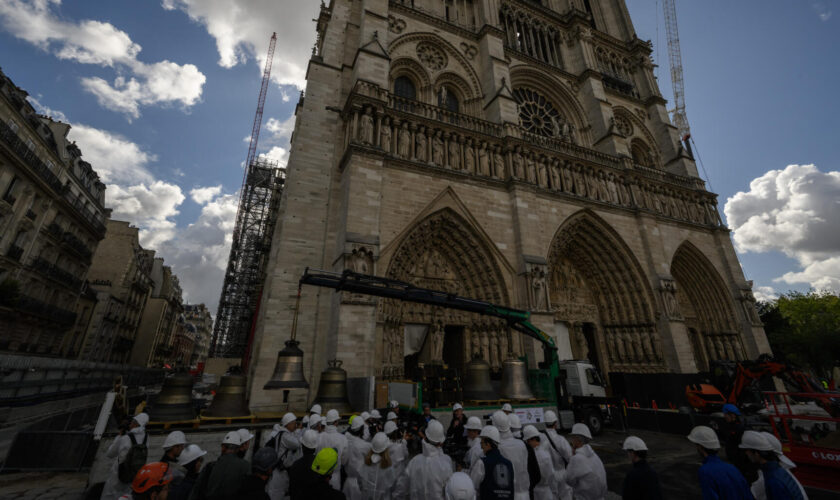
(778, 483)
(718, 479)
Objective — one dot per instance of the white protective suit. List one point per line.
(118, 451)
(474, 452)
(586, 475)
(377, 483)
(287, 446)
(357, 450)
(544, 489)
(561, 454)
(425, 476)
(331, 438)
(398, 450)
(515, 450)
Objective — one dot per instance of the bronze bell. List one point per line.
(332, 391)
(174, 402)
(477, 385)
(288, 372)
(515, 380)
(229, 400)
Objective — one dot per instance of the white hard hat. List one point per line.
(315, 421)
(357, 423)
(288, 419)
(515, 423)
(634, 443)
(530, 432)
(310, 439)
(305, 420)
(365, 415)
(316, 409)
(581, 430)
(705, 437)
(389, 427)
(459, 487)
(501, 421)
(232, 437)
(491, 433)
(189, 454)
(507, 407)
(457, 406)
(752, 440)
(434, 432)
(777, 448)
(174, 439)
(391, 416)
(332, 416)
(245, 435)
(379, 443)
(550, 417)
(394, 403)
(142, 418)
(473, 424)
(375, 414)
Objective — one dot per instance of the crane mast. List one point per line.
(675, 60)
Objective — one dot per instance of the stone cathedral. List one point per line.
(514, 151)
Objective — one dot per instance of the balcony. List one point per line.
(75, 244)
(31, 215)
(14, 252)
(45, 311)
(10, 199)
(56, 273)
(55, 230)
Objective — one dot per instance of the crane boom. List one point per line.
(675, 60)
(255, 130)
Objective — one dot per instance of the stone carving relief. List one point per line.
(470, 51)
(432, 57)
(404, 141)
(668, 292)
(623, 126)
(385, 135)
(360, 260)
(535, 278)
(395, 24)
(749, 307)
(366, 127)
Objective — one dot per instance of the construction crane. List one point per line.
(675, 60)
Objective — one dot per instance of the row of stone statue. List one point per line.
(629, 345)
(724, 347)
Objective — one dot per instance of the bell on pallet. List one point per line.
(477, 385)
(332, 390)
(229, 400)
(288, 372)
(174, 402)
(515, 380)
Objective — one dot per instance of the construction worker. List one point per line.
(757, 487)
(460, 487)
(316, 423)
(128, 452)
(392, 417)
(455, 433)
(514, 450)
(492, 475)
(507, 408)
(561, 453)
(397, 447)
(731, 431)
(262, 466)
(246, 437)
(357, 449)
(331, 438)
(585, 473)
(426, 474)
(718, 479)
(378, 475)
(374, 423)
(515, 425)
(641, 483)
(190, 460)
(300, 475)
(173, 445)
(223, 478)
(779, 483)
(150, 483)
(304, 425)
(474, 452)
(286, 445)
(315, 410)
(541, 489)
(323, 467)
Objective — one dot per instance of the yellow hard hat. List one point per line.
(325, 461)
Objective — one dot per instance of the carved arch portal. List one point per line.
(599, 290)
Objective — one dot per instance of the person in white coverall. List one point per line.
(561, 453)
(426, 474)
(286, 444)
(114, 488)
(460, 487)
(514, 450)
(357, 450)
(543, 489)
(397, 446)
(585, 473)
(331, 438)
(474, 452)
(515, 425)
(378, 475)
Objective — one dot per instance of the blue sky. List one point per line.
(162, 98)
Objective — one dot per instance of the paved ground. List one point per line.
(43, 485)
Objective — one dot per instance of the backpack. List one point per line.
(134, 460)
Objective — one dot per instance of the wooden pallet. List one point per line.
(485, 402)
(175, 424)
(228, 420)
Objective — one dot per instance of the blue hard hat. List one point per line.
(730, 408)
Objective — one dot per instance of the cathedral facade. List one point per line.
(514, 151)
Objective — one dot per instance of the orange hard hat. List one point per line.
(151, 475)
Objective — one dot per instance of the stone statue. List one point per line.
(469, 157)
(518, 165)
(404, 141)
(436, 335)
(612, 188)
(385, 135)
(537, 278)
(420, 144)
(366, 127)
(556, 128)
(579, 184)
(542, 173)
(530, 169)
(495, 358)
(498, 163)
(483, 161)
(437, 149)
(454, 153)
(504, 343)
(361, 260)
(475, 341)
(567, 177)
(554, 175)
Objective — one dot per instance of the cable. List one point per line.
(696, 151)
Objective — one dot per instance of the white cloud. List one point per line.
(793, 211)
(242, 29)
(46, 110)
(150, 207)
(278, 154)
(205, 194)
(281, 131)
(822, 11)
(102, 44)
(765, 293)
(116, 159)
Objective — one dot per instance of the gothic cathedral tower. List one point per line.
(515, 151)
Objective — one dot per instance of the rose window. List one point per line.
(537, 114)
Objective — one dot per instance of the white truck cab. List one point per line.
(585, 395)
(583, 379)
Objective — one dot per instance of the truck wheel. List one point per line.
(595, 422)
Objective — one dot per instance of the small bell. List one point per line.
(515, 380)
(288, 372)
(229, 400)
(332, 391)
(174, 402)
(477, 385)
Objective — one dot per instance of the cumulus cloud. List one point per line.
(822, 10)
(281, 131)
(205, 194)
(793, 211)
(116, 159)
(278, 154)
(765, 293)
(102, 44)
(150, 207)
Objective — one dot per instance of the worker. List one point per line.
(492, 475)
(731, 431)
(426, 474)
(331, 438)
(641, 483)
(324, 467)
(378, 475)
(374, 423)
(427, 414)
(173, 445)
(304, 425)
(515, 425)
(757, 487)
(541, 489)
(778, 482)
(150, 483)
(515, 451)
(456, 433)
(300, 473)
(316, 423)
(561, 453)
(190, 460)
(585, 473)
(365, 416)
(246, 437)
(507, 408)
(718, 479)
(286, 445)
(262, 466)
(473, 428)
(392, 417)
(397, 446)
(128, 452)
(459, 487)
(223, 478)
(315, 410)
(357, 449)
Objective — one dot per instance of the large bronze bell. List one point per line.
(288, 372)
(229, 400)
(477, 385)
(332, 391)
(515, 380)
(174, 402)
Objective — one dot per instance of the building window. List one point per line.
(447, 99)
(14, 126)
(404, 87)
(642, 154)
(9, 195)
(538, 115)
(30, 144)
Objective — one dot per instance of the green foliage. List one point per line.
(9, 292)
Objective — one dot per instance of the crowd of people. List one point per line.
(412, 457)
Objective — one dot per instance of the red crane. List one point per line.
(255, 130)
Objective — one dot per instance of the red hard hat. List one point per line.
(151, 475)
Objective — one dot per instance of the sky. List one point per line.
(161, 96)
